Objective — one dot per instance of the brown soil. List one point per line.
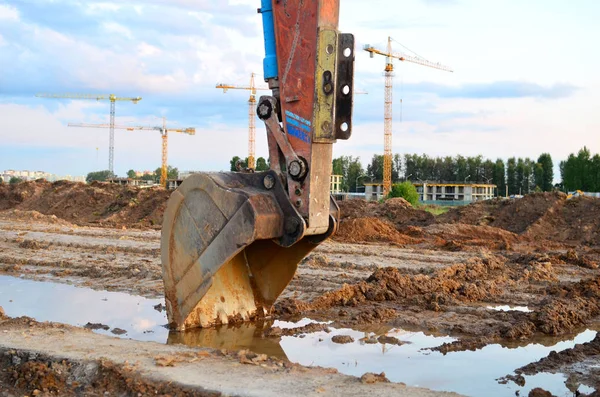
(276, 332)
(389, 292)
(342, 339)
(556, 360)
(370, 377)
(98, 203)
(397, 210)
(538, 216)
(369, 230)
(34, 374)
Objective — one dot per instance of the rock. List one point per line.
(96, 326)
(118, 331)
(370, 377)
(390, 340)
(2, 314)
(538, 392)
(369, 341)
(342, 339)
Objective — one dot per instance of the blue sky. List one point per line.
(525, 79)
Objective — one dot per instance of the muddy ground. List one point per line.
(389, 263)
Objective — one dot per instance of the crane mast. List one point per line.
(388, 108)
(164, 132)
(103, 97)
(251, 115)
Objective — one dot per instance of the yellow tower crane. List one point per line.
(108, 97)
(251, 115)
(389, 74)
(164, 132)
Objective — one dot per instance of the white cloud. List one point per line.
(8, 13)
(146, 50)
(112, 27)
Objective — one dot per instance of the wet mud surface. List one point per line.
(390, 266)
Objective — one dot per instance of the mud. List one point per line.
(342, 339)
(389, 264)
(370, 377)
(277, 332)
(368, 230)
(36, 374)
(98, 203)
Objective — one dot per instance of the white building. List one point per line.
(440, 191)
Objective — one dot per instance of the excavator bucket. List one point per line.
(224, 245)
(231, 242)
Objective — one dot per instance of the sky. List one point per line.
(525, 79)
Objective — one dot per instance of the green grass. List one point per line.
(435, 210)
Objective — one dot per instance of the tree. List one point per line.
(131, 174)
(172, 173)
(461, 169)
(581, 171)
(375, 169)
(99, 176)
(350, 168)
(500, 177)
(546, 182)
(14, 180)
(511, 176)
(233, 163)
(261, 164)
(406, 190)
(1, 180)
(355, 171)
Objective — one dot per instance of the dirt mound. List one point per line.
(396, 210)
(573, 221)
(512, 215)
(97, 203)
(367, 230)
(538, 217)
(472, 281)
(454, 236)
(34, 216)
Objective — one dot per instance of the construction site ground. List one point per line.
(502, 296)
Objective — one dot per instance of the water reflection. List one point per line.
(473, 373)
(245, 336)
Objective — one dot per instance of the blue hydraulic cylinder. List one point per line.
(270, 61)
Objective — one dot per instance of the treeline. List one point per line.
(581, 171)
(261, 163)
(521, 175)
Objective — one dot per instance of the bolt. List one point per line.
(298, 202)
(291, 225)
(295, 168)
(298, 192)
(264, 109)
(269, 182)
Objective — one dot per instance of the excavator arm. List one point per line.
(231, 242)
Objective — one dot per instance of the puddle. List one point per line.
(506, 308)
(472, 373)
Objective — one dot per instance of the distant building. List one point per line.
(335, 184)
(34, 175)
(373, 191)
(467, 192)
(440, 192)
